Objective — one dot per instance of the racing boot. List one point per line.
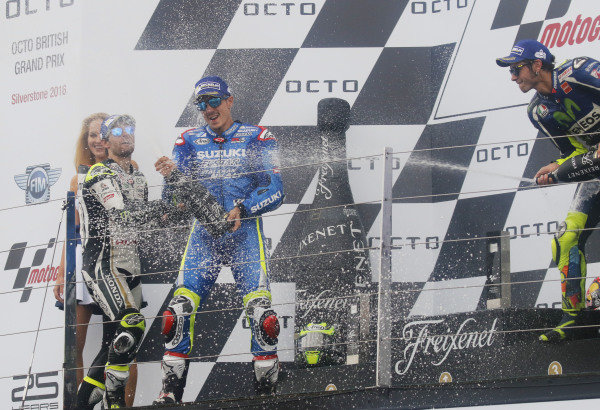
(266, 372)
(116, 379)
(89, 394)
(563, 330)
(572, 266)
(174, 374)
(91, 389)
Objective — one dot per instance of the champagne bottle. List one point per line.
(334, 268)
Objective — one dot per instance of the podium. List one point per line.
(473, 358)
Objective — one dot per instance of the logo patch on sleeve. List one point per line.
(566, 88)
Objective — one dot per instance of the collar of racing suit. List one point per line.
(228, 133)
(553, 96)
(110, 161)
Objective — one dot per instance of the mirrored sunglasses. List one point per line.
(118, 131)
(213, 102)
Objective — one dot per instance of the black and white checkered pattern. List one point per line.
(410, 87)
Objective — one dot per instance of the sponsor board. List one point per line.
(431, 338)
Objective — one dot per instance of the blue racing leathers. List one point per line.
(239, 168)
(570, 116)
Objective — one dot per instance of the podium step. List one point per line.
(465, 359)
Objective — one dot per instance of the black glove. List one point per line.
(200, 202)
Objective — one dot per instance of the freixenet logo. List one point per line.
(324, 300)
(440, 342)
(578, 31)
(323, 233)
(325, 170)
(36, 273)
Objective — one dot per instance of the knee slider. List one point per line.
(180, 308)
(127, 337)
(263, 320)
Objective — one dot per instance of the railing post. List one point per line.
(69, 372)
(384, 319)
(505, 270)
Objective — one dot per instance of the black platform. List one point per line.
(456, 395)
(466, 359)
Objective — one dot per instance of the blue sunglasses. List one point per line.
(118, 131)
(213, 102)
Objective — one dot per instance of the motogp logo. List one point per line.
(36, 182)
(31, 271)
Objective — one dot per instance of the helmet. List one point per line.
(316, 345)
(592, 297)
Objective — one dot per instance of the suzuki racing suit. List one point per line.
(239, 167)
(571, 117)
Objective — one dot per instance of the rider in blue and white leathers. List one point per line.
(566, 108)
(238, 164)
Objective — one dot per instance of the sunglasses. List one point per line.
(213, 102)
(516, 69)
(118, 131)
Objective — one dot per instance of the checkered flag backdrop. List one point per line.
(420, 77)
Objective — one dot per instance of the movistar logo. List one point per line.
(586, 123)
(567, 118)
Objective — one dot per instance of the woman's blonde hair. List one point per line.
(83, 154)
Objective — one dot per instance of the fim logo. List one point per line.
(36, 182)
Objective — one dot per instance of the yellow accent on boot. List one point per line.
(118, 368)
(141, 324)
(558, 333)
(195, 298)
(93, 382)
(255, 295)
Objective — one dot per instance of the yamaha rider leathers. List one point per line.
(570, 115)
